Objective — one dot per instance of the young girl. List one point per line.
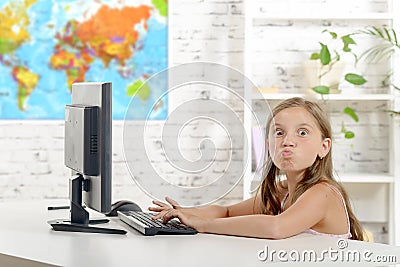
(309, 200)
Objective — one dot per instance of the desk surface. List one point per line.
(25, 234)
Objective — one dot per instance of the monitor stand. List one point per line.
(79, 221)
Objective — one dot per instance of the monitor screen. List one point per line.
(88, 148)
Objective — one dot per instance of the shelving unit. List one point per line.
(378, 190)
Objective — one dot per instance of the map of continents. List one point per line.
(46, 45)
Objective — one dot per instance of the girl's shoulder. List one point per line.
(324, 187)
(327, 185)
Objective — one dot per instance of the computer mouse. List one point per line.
(123, 205)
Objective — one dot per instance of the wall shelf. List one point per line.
(365, 178)
(323, 16)
(358, 97)
(369, 178)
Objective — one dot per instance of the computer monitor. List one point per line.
(88, 152)
(85, 96)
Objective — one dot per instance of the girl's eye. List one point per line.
(278, 133)
(303, 132)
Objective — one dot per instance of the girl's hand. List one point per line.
(173, 210)
(163, 207)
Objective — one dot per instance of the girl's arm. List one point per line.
(307, 211)
(246, 207)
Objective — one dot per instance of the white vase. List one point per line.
(314, 70)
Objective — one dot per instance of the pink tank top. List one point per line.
(311, 231)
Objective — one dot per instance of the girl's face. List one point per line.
(295, 140)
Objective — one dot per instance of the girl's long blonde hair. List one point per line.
(320, 171)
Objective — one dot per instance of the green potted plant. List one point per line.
(324, 71)
(329, 59)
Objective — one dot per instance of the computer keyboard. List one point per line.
(143, 223)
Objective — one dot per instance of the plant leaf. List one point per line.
(387, 44)
(349, 135)
(314, 56)
(337, 58)
(389, 38)
(333, 34)
(348, 40)
(393, 112)
(349, 111)
(395, 38)
(324, 54)
(376, 53)
(355, 79)
(321, 89)
(378, 31)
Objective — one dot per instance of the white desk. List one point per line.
(25, 234)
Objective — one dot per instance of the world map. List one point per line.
(47, 45)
